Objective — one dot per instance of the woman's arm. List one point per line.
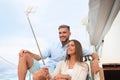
(62, 77)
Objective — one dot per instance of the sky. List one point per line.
(46, 16)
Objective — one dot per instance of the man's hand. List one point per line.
(95, 66)
(22, 52)
(33, 55)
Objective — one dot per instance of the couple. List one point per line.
(56, 53)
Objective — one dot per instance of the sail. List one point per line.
(101, 16)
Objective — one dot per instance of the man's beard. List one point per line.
(66, 41)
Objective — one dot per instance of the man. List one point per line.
(56, 53)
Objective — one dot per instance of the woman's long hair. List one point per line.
(78, 51)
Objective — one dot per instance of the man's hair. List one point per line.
(64, 26)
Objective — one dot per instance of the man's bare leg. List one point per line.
(25, 62)
(42, 74)
(39, 75)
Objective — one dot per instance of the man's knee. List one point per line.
(38, 76)
(24, 55)
(25, 58)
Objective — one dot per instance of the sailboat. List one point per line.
(103, 28)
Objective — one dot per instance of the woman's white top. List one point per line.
(78, 72)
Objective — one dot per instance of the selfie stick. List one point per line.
(28, 11)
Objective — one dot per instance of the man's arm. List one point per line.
(95, 56)
(35, 56)
(95, 63)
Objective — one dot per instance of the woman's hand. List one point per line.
(62, 77)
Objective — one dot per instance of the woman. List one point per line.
(73, 68)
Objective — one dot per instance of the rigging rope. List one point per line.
(7, 61)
